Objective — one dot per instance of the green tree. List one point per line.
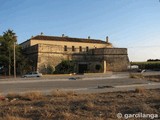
(65, 67)
(7, 42)
(3, 57)
(22, 62)
(9, 38)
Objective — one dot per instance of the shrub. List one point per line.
(34, 95)
(137, 76)
(58, 93)
(140, 90)
(65, 67)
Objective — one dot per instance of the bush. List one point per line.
(140, 90)
(148, 65)
(50, 69)
(136, 75)
(34, 95)
(65, 67)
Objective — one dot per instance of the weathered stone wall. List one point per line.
(45, 55)
(50, 55)
(116, 58)
(70, 44)
(117, 62)
(45, 60)
(32, 54)
(111, 51)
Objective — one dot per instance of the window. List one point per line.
(65, 48)
(80, 48)
(87, 49)
(73, 48)
(98, 67)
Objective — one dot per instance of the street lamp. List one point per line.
(14, 54)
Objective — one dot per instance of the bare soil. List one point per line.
(154, 78)
(60, 105)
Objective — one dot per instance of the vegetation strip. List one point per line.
(71, 105)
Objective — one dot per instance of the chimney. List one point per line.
(41, 33)
(89, 37)
(107, 39)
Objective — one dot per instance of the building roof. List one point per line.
(68, 39)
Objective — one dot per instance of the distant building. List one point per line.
(89, 55)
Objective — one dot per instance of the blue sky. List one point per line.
(133, 24)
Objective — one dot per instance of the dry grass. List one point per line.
(33, 95)
(136, 75)
(12, 95)
(58, 93)
(8, 117)
(61, 105)
(140, 90)
(154, 78)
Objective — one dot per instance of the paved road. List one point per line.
(83, 83)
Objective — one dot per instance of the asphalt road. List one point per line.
(90, 83)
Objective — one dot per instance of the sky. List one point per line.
(132, 24)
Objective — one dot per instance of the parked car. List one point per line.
(33, 74)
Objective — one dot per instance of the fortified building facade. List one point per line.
(88, 55)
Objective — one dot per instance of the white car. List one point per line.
(33, 74)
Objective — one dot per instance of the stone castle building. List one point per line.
(88, 55)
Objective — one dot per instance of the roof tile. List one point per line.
(68, 39)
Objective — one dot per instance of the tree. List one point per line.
(9, 38)
(7, 42)
(23, 63)
(3, 57)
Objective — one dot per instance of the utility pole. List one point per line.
(14, 61)
(14, 54)
(9, 65)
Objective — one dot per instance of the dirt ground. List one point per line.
(60, 105)
(154, 78)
